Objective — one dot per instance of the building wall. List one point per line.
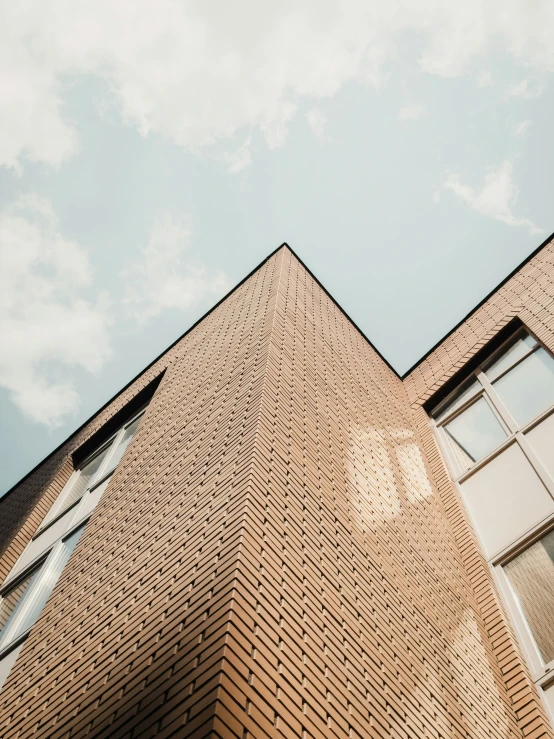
(132, 639)
(529, 295)
(364, 530)
(280, 553)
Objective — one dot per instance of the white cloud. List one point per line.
(162, 279)
(316, 121)
(199, 72)
(31, 110)
(495, 199)
(239, 159)
(412, 112)
(521, 128)
(484, 79)
(47, 324)
(526, 90)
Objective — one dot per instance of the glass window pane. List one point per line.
(12, 601)
(123, 444)
(475, 432)
(528, 388)
(84, 479)
(518, 349)
(466, 392)
(532, 578)
(50, 574)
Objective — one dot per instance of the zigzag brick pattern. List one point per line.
(529, 295)
(280, 552)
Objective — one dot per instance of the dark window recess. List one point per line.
(503, 335)
(116, 422)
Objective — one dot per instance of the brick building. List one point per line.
(270, 533)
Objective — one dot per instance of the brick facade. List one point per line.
(281, 551)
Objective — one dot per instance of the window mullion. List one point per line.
(450, 461)
(58, 505)
(515, 611)
(105, 464)
(461, 408)
(535, 463)
(496, 403)
(30, 598)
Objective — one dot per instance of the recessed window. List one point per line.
(528, 388)
(510, 355)
(12, 601)
(82, 481)
(501, 396)
(29, 598)
(94, 470)
(122, 444)
(474, 432)
(497, 431)
(35, 574)
(531, 575)
(459, 398)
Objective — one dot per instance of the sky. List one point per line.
(153, 152)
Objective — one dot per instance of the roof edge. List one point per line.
(482, 302)
(345, 314)
(236, 287)
(137, 376)
(284, 245)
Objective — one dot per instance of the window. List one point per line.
(96, 469)
(528, 387)
(531, 575)
(474, 433)
(35, 574)
(83, 480)
(12, 601)
(503, 395)
(24, 602)
(497, 432)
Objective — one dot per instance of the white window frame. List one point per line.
(497, 406)
(46, 563)
(542, 673)
(78, 515)
(102, 473)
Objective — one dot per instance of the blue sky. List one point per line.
(151, 154)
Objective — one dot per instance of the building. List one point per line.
(270, 533)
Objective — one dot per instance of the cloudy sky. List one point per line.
(152, 152)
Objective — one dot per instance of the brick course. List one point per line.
(281, 551)
(529, 296)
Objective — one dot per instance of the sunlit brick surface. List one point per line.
(272, 557)
(529, 295)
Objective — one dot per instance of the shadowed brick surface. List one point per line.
(280, 552)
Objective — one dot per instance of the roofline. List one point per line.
(476, 308)
(182, 336)
(345, 314)
(236, 287)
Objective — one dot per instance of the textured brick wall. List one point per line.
(23, 508)
(132, 640)
(272, 558)
(529, 295)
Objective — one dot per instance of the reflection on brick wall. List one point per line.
(279, 553)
